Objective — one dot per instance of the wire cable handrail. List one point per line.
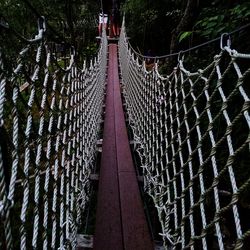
(192, 132)
(50, 118)
(190, 49)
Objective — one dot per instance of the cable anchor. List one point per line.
(228, 41)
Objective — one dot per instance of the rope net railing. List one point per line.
(49, 122)
(192, 135)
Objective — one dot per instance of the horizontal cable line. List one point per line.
(190, 49)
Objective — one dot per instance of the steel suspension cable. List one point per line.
(190, 49)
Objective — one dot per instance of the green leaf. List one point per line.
(211, 25)
(184, 35)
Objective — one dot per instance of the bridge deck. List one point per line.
(120, 222)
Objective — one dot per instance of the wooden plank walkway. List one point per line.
(120, 222)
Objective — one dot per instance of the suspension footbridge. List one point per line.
(190, 134)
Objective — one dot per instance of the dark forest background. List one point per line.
(162, 26)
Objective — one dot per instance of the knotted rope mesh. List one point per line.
(49, 120)
(192, 133)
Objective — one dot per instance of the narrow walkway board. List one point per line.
(121, 222)
(108, 233)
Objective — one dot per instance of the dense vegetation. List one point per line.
(168, 26)
(68, 23)
(163, 26)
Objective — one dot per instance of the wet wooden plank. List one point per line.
(121, 221)
(108, 234)
(134, 225)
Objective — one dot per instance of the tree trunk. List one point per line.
(69, 18)
(186, 22)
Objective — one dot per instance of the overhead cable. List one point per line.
(190, 49)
